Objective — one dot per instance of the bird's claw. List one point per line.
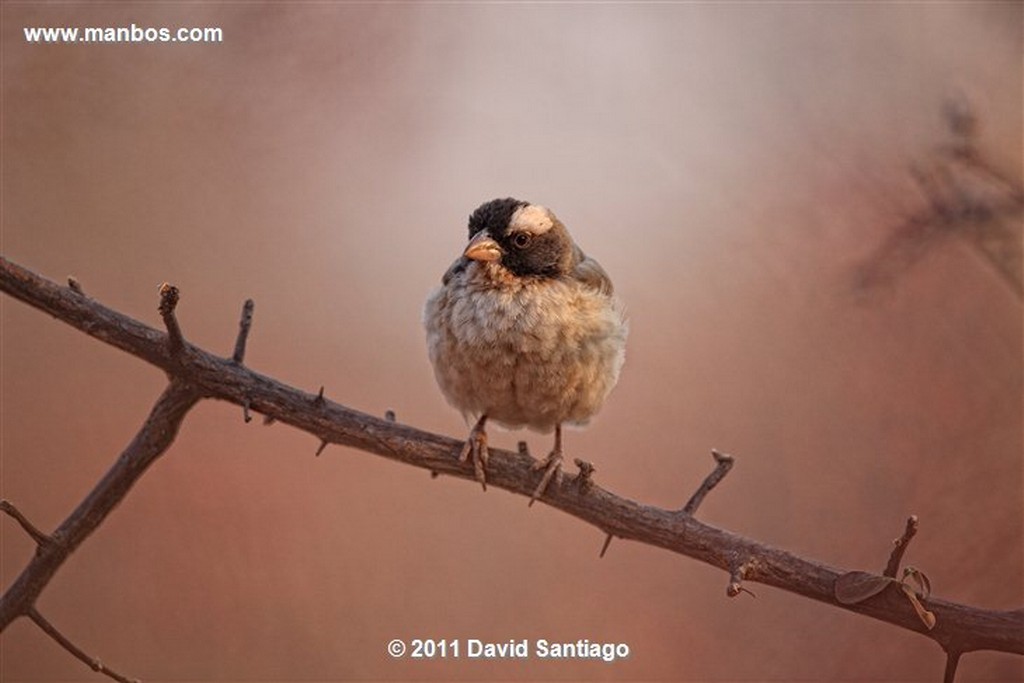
(552, 466)
(475, 448)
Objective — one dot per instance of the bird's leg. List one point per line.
(476, 448)
(552, 466)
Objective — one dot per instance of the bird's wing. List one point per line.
(457, 267)
(589, 272)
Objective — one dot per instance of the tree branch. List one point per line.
(152, 440)
(198, 373)
(38, 536)
(93, 663)
(967, 198)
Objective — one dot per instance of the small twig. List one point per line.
(244, 325)
(900, 547)
(75, 286)
(607, 542)
(92, 662)
(38, 536)
(168, 302)
(723, 464)
(952, 660)
(585, 477)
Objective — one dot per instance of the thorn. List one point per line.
(524, 448)
(952, 660)
(434, 474)
(323, 445)
(389, 415)
(268, 420)
(319, 400)
(738, 590)
(245, 411)
(607, 542)
(75, 286)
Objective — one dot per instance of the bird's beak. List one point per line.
(482, 248)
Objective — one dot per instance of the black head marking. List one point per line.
(545, 255)
(548, 254)
(494, 216)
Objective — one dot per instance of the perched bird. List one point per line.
(524, 330)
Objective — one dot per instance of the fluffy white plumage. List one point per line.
(524, 351)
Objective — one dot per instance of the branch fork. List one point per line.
(42, 540)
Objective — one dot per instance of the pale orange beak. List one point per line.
(482, 248)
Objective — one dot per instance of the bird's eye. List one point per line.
(521, 239)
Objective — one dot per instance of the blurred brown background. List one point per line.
(729, 165)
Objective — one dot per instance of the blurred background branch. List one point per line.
(966, 198)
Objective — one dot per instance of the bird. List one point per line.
(524, 331)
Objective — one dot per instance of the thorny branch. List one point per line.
(966, 198)
(199, 374)
(153, 439)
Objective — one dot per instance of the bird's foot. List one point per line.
(552, 466)
(475, 448)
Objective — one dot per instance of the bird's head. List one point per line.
(525, 239)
